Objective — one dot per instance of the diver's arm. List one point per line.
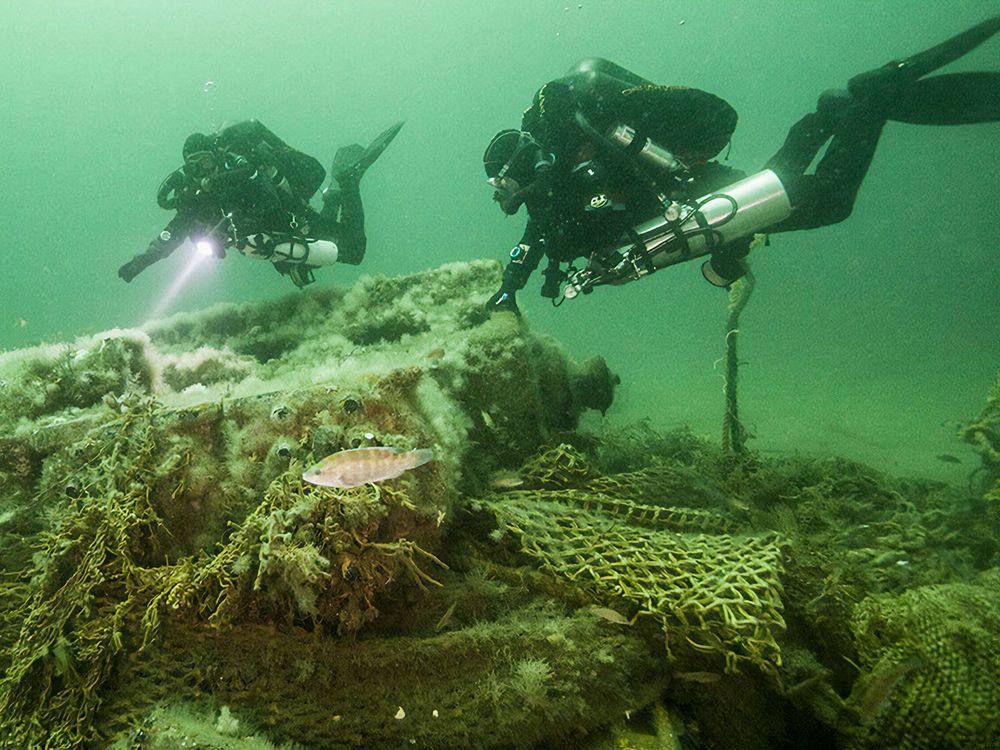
(524, 258)
(172, 237)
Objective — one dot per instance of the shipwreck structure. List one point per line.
(168, 577)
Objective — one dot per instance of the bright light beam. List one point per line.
(203, 251)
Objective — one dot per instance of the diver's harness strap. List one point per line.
(621, 156)
(267, 246)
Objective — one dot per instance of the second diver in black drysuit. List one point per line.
(617, 171)
(244, 187)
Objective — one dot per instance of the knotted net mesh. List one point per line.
(710, 589)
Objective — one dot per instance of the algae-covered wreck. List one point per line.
(170, 581)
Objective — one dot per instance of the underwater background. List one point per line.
(871, 339)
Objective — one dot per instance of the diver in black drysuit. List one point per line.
(586, 195)
(244, 187)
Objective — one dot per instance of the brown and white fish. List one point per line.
(357, 466)
(505, 480)
(610, 615)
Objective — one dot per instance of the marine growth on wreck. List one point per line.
(169, 580)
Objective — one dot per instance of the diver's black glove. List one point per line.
(133, 268)
(501, 301)
(158, 249)
(552, 287)
(514, 277)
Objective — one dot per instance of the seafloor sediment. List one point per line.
(168, 579)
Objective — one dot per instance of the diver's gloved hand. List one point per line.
(133, 268)
(514, 277)
(158, 249)
(552, 286)
(502, 301)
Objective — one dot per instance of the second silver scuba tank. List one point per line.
(647, 150)
(291, 250)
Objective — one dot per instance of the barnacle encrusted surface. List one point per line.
(131, 508)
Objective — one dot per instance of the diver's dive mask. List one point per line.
(200, 164)
(512, 161)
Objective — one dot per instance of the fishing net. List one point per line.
(711, 591)
(932, 661)
(514, 682)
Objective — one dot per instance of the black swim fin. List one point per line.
(950, 99)
(345, 158)
(929, 60)
(351, 162)
(896, 90)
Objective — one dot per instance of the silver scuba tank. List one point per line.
(685, 231)
(745, 207)
(292, 250)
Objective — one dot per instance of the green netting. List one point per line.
(932, 668)
(715, 593)
(109, 583)
(515, 682)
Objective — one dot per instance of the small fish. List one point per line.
(948, 458)
(446, 617)
(702, 678)
(357, 466)
(881, 685)
(609, 615)
(505, 480)
(487, 419)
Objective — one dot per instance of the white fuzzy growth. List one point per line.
(227, 724)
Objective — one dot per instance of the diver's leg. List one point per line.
(818, 199)
(856, 118)
(352, 221)
(827, 196)
(803, 142)
(343, 214)
(842, 169)
(343, 218)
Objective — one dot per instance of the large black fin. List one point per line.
(950, 99)
(897, 91)
(938, 56)
(351, 162)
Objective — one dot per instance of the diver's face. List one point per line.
(505, 189)
(201, 164)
